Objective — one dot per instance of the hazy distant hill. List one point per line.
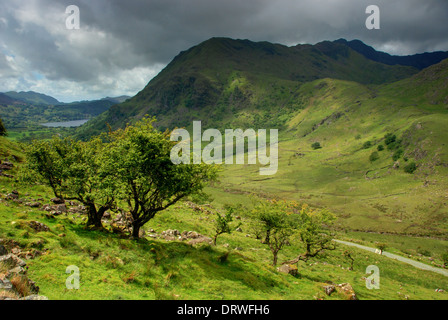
(32, 97)
(119, 99)
(20, 114)
(5, 100)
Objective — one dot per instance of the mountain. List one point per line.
(332, 95)
(32, 97)
(221, 78)
(419, 61)
(7, 100)
(383, 165)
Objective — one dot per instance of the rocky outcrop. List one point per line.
(288, 269)
(347, 290)
(329, 289)
(344, 289)
(14, 283)
(192, 237)
(6, 166)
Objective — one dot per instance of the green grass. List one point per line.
(373, 201)
(115, 267)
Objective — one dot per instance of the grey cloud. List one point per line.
(119, 36)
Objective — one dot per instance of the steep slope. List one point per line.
(370, 182)
(372, 185)
(220, 78)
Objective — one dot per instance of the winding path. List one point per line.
(414, 263)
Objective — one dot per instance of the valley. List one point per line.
(357, 137)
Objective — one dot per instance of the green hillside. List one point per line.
(230, 83)
(113, 266)
(32, 97)
(350, 121)
(357, 138)
(325, 93)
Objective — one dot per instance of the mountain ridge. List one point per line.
(223, 72)
(419, 60)
(32, 97)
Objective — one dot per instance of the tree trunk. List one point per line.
(267, 240)
(136, 229)
(94, 216)
(274, 262)
(214, 239)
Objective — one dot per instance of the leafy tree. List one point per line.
(313, 232)
(222, 223)
(380, 147)
(149, 182)
(316, 145)
(74, 170)
(381, 246)
(3, 131)
(274, 220)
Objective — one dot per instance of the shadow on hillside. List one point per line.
(184, 264)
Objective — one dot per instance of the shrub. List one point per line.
(380, 147)
(367, 145)
(374, 156)
(389, 138)
(397, 154)
(316, 145)
(410, 168)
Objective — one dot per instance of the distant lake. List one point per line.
(75, 123)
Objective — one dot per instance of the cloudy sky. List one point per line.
(121, 44)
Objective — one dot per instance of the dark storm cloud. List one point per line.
(122, 44)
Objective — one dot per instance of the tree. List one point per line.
(381, 246)
(222, 223)
(74, 170)
(348, 254)
(274, 220)
(316, 145)
(3, 131)
(149, 181)
(313, 232)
